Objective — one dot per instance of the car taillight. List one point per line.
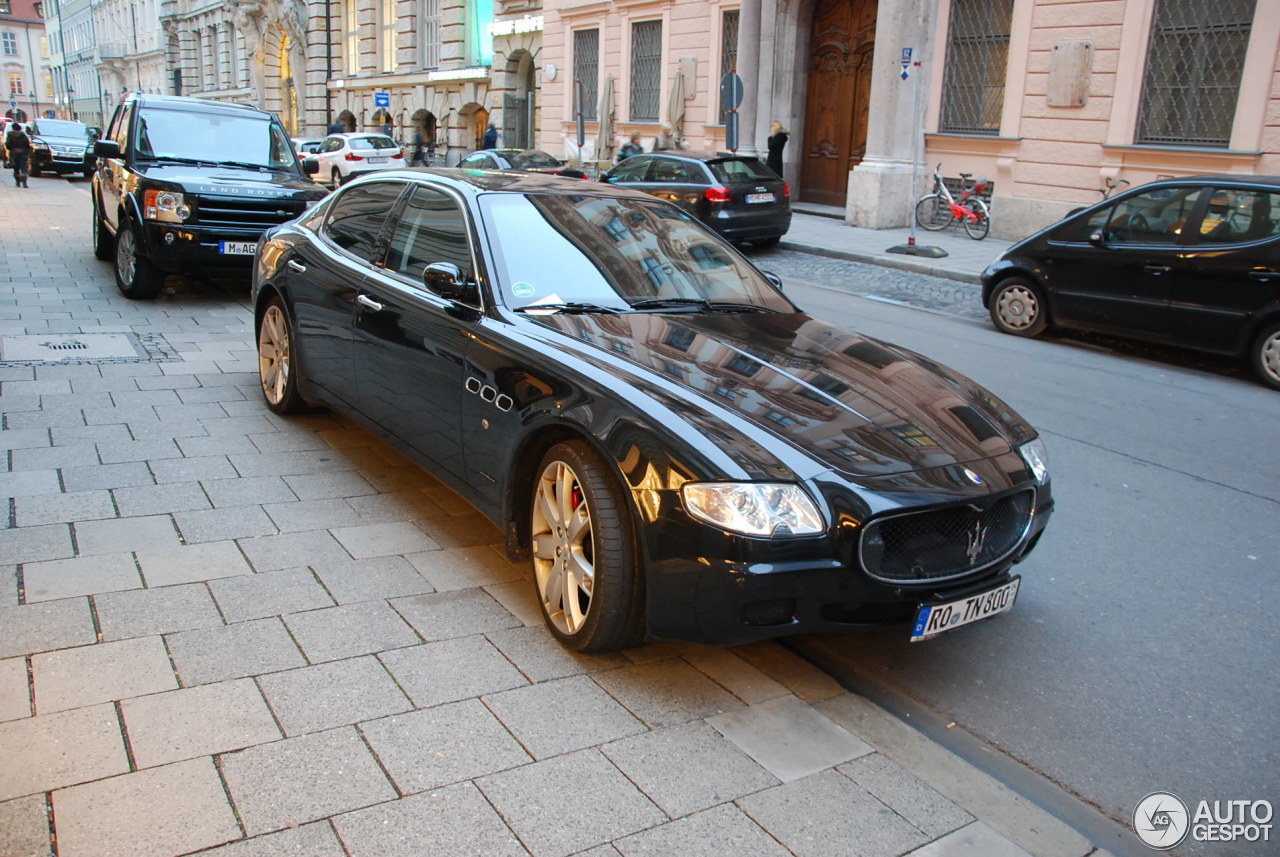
(398, 156)
(352, 156)
(786, 190)
(717, 194)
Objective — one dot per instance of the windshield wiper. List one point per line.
(566, 307)
(174, 159)
(695, 305)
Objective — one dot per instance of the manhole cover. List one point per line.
(71, 348)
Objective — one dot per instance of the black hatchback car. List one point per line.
(671, 444)
(736, 195)
(1191, 262)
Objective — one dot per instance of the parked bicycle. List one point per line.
(938, 209)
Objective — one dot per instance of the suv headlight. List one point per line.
(1037, 458)
(39, 146)
(166, 206)
(754, 508)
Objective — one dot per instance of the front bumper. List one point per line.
(183, 249)
(727, 590)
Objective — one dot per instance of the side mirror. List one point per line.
(773, 278)
(310, 166)
(106, 149)
(1098, 238)
(445, 279)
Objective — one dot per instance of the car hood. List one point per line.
(235, 181)
(861, 406)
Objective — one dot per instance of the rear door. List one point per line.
(1231, 270)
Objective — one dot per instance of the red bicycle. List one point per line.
(938, 209)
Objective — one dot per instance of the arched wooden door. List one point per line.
(841, 55)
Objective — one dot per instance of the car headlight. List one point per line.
(167, 206)
(1037, 458)
(40, 146)
(754, 508)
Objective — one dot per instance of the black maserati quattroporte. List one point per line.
(676, 448)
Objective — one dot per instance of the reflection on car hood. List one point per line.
(864, 407)
(235, 181)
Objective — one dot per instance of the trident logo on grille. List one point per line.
(977, 540)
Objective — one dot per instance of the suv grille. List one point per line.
(247, 215)
(946, 543)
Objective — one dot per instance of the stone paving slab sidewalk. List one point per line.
(229, 633)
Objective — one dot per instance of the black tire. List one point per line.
(136, 276)
(933, 213)
(584, 552)
(1017, 307)
(103, 246)
(979, 228)
(277, 360)
(336, 178)
(1265, 355)
(766, 243)
(35, 171)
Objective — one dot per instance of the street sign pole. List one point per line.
(730, 98)
(911, 248)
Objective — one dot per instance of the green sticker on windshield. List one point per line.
(522, 290)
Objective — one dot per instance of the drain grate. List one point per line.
(84, 348)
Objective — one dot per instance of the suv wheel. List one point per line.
(337, 178)
(135, 275)
(101, 237)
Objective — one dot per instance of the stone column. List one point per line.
(882, 187)
(749, 71)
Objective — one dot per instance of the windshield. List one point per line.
(61, 128)
(248, 138)
(532, 158)
(741, 170)
(611, 254)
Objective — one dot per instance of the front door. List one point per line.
(841, 55)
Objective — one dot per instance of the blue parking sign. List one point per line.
(382, 99)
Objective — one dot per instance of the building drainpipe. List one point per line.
(328, 64)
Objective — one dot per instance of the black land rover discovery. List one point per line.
(186, 184)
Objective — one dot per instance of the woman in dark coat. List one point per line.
(19, 146)
(777, 140)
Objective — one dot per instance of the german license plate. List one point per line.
(237, 248)
(377, 160)
(934, 619)
(759, 197)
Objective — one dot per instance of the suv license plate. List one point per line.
(237, 248)
(934, 619)
(759, 197)
(377, 160)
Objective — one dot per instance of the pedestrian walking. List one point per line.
(18, 145)
(416, 160)
(666, 139)
(631, 147)
(490, 137)
(777, 140)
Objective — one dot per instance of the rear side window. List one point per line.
(665, 170)
(1237, 215)
(741, 170)
(357, 217)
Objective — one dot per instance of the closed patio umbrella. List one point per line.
(604, 140)
(675, 108)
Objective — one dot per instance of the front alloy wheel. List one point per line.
(583, 552)
(1018, 308)
(276, 364)
(136, 277)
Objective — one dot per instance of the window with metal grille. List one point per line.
(728, 51)
(586, 68)
(977, 58)
(646, 68)
(430, 37)
(1194, 64)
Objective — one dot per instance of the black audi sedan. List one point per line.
(1190, 262)
(737, 196)
(676, 448)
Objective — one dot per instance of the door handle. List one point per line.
(1262, 276)
(368, 303)
(1156, 270)
(295, 265)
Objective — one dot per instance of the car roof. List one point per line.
(473, 182)
(203, 105)
(1225, 178)
(701, 156)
